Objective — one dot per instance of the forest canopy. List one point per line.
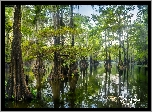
(113, 24)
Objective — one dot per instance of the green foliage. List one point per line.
(34, 92)
(8, 19)
(38, 29)
(8, 32)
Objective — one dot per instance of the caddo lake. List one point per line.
(93, 89)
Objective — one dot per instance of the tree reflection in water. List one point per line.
(94, 90)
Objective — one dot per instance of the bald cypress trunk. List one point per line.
(57, 70)
(17, 87)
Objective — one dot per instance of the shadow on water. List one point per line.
(93, 89)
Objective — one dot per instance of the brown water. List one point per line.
(95, 89)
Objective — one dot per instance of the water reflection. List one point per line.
(94, 89)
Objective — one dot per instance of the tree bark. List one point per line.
(17, 87)
(57, 69)
(71, 24)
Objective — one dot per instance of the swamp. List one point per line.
(76, 56)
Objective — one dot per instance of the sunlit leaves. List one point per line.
(8, 18)
(51, 32)
(8, 31)
(37, 25)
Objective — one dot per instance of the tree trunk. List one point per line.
(72, 95)
(71, 23)
(74, 64)
(56, 93)
(62, 25)
(17, 87)
(39, 63)
(106, 45)
(56, 42)
(91, 64)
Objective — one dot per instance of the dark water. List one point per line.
(95, 89)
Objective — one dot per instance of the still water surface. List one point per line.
(95, 89)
